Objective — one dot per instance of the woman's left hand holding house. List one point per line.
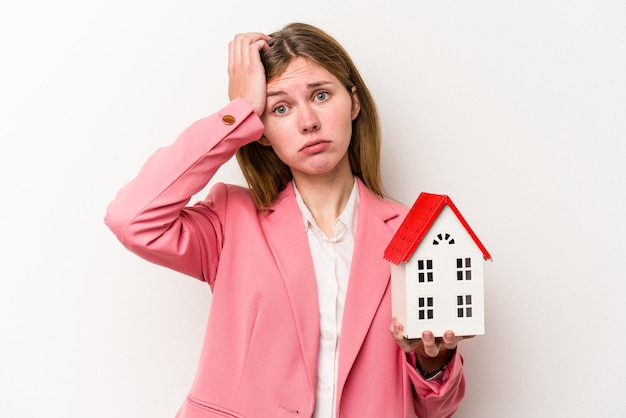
(432, 353)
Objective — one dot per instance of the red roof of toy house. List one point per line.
(417, 223)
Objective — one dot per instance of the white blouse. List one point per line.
(331, 261)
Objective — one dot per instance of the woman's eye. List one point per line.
(280, 110)
(321, 96)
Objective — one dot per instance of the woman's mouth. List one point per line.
(315, 147)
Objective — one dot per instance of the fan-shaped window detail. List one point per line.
(442, 239)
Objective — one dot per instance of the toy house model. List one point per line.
(437, 270)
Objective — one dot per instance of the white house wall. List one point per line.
(401, 289)
(445, 287)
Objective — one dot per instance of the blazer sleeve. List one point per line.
(149, 214)
(439, 398)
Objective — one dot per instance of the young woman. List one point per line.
(300, 321)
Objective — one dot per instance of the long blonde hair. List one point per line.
(265, 173)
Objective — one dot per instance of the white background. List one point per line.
(516, 109)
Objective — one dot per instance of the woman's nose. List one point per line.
(309, 121)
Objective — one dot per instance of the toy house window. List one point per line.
(464, 306)
(464, 268)
(424, 271)
(443, 238)
(426, 308)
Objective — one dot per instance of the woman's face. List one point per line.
(308, 119)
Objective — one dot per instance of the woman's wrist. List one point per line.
(430, 366)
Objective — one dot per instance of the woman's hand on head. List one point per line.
(246, 75)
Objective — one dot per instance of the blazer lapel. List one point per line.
(369, 277)
(286, 236)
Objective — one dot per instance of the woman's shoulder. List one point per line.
(384, 206)
(398, 206)
(229, 193)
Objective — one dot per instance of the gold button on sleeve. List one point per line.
(228, 119)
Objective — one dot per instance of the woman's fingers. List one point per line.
(245, 69)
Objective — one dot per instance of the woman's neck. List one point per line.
(325, 197)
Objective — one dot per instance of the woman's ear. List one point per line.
(263, 141)
(356, 104)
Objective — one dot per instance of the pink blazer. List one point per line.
(259, 357)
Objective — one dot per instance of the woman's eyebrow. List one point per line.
(310, 86)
